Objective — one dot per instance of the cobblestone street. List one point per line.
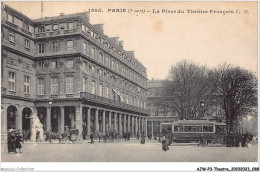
(128, 151)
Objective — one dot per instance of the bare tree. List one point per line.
(186, 87)
(235, 90)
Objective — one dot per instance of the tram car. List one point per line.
(193, 130)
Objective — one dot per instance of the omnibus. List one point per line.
(193, 130)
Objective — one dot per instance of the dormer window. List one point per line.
(41, 29)
(55, 27)
(83, 28)
(26, 26)
(70, 25)
(10, 17)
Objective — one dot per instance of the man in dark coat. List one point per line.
(18, 140)
(91, 137)
(11, 142)
(143, 138)
(165, 143)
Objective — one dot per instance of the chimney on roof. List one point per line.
(132, 53)
(115, 40)
(121, 44)
(62, 14)
(99, 27)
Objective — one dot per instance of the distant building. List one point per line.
(159, 113)
(69, 73)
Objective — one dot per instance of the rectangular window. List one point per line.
(85, 84)
(54, 64)
(41, 48)
(93, 69)
(85, 67)
(70, 25)
(93, 52)
(93, 87)
(100, 90)
(69, 64)
(41, 29)
(107, 92)
(100, 73)
(101, 57)
(84, 47)
(54, 46)
(54, 86)
(107, 61)
(10, 18)
(11, 37)
(55, 27)
(27, 43)
(69, 84)
(26, 84)
(41, 86)
(70, 45)
(41, 65)
(12, 77)
(26, 26)
(112, 64)
(83, 28)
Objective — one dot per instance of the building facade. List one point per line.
(159, 113)
(69, 73)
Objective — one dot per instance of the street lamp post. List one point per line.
(202, 105)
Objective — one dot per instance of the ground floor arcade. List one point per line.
(55, 116)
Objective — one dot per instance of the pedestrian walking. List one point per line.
(38, 138)
(155, 136)
(91, 137)
(142, 138)
(18, 140)
(11, 141)
(165, 143)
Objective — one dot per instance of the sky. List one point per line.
(161, 40)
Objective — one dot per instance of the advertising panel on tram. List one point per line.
(193, 130)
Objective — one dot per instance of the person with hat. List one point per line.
(18, 140)
(143, 138)
(11, 141)
(91, 137)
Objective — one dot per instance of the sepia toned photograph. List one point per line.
(114, 81)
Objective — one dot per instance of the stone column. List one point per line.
(62, 119)
(48, 118)
(72, 120)
(115, 120)
(88, 122)
(19, 118)
(78, 122)
(139, 125)
(152, 128)
(146, 132)
(4, 123)
(129, 129)
(96, 120)
(124, 122)
(136, 125)
(109, 120)
(133, 122)
(104, 121)
(120, 125)
(59, 122)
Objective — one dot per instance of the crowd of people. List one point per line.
(236, 139)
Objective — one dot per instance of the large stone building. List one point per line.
(69, 73)
(159, 113)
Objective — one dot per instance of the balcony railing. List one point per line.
(109, 102)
